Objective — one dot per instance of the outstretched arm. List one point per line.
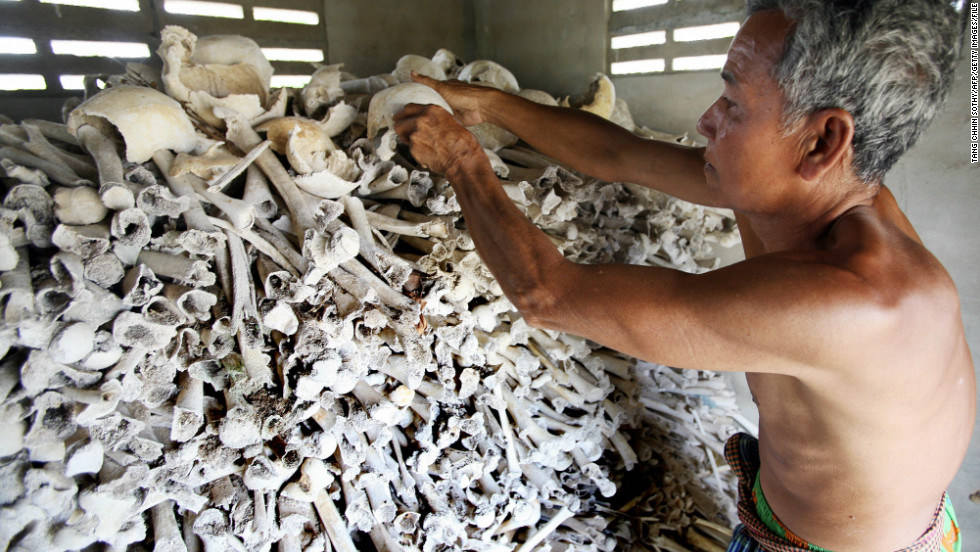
(518, 253)
(586, 142)
(757, 315)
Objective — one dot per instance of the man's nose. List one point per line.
(706, 124)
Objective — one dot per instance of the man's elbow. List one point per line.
(537, 322)
(539, 304)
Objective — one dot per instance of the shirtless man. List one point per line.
(848, 329)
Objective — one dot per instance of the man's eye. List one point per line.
(728, 103)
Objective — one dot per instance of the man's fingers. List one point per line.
(422, 79)
(410, 110)
(418, 110)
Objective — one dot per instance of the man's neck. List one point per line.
(804, 225)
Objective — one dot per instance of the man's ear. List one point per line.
(830, 132)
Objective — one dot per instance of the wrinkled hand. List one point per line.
(465, 99)
(437, 141)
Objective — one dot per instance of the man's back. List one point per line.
(857, 457)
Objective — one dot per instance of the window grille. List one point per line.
(670, 36)
(47, 46)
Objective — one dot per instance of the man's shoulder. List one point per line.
(867, 282)
(888, 258)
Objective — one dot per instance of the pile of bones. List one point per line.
(238, 319)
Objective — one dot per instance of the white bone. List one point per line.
(78, 206)
(243, 136)
(421, 65)
(333, 523)
(130, 227)
(489, 73)
(134, 330)
(50, 129)
(84, 457)
(369, 86)
(112, 188)
(72, 343)
(34, 208)
(238, 167)
(180, 268)
(166, 534)
(214, 71)
(215, 161)
(314, 478)
(39, 145)
(448, 61)
(147, 120)
(391, 100)
(323, 89)
(159, 201)
(15, 161)
(602, 97)
(338, 119)
(8, 254)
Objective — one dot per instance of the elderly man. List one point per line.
(848, 329)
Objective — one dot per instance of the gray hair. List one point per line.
(889, 63)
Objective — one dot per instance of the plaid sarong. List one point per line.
(743, 542)
(742, 453)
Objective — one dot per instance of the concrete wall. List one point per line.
(369, 37)
(671, 103)
(551, 45)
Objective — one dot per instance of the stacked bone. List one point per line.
(214, 348)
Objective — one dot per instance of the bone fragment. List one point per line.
(332, 522)
(24, 175)
(421, 65)
(112, 189)
(391, 100)
(33, 207)
(148, 121)
(55, 171)
(52, 130)
(39, 145)
(130, 227)
(85, 241)
(239, 167)
(257, 193)
(369, 85)
(245, 138)
(179, 268)
(219, 71)
(78, 206)
(322, 90)
(489, 73)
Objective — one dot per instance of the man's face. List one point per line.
(747, 157)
